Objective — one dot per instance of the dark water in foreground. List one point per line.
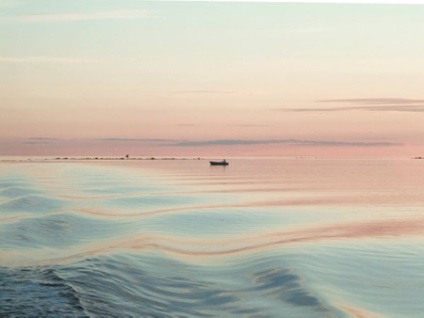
(259, 238)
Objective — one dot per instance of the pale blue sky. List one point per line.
(199, 70)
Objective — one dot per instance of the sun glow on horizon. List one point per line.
(211, 77)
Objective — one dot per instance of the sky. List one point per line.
(197, 78)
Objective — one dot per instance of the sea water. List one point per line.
(180, 238)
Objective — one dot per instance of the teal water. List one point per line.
(258, 238)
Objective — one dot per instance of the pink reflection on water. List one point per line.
(198, 249)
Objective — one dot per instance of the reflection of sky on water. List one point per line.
(304, 238)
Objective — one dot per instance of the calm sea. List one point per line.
(179, 238)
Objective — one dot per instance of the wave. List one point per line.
(31, 204)
(37, 292)
(142, 286)
(85, 240)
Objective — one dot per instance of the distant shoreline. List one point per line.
(96, 159)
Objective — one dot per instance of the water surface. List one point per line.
(258, 238)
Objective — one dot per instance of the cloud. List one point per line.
(220, 142)
(295, 142)
(397, 108)
(251, 125)
(80, 16)
(45, 59)
(380, 101)
(207, 92)
(220, 92)
(230, 125)
(134, 139)
(41, 138)
(366, 104)
(36, 142)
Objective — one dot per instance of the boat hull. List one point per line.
(219, 163)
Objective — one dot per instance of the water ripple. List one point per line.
(178, 239)
(37, 292)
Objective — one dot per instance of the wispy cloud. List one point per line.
(45, 59)
(42, 138)
(295, 142)
(36, 142)
(133, 139)
(207, 92)
(253, 125)
(219, 92)
(365, 104)
(400, 108)
(380, 101)
(79, 16)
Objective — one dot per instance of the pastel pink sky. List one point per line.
(211, 79)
